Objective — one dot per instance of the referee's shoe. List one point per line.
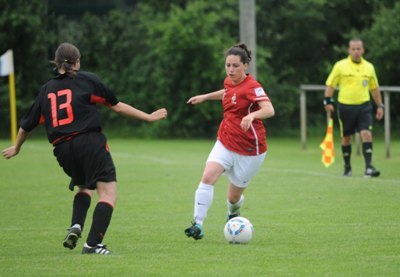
(347, 171)
(371, 172)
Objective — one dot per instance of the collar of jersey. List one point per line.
(351, 61)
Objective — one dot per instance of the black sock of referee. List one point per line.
(346, 150)
(80, 207)
(367, 152)
(101, 219)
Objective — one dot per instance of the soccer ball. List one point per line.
(238, 230)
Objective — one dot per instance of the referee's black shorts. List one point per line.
(86, 159)
(355, 118)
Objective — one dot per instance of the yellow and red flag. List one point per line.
(327, 146)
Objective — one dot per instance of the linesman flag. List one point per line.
(327, 146)
(6, 63)
(7, 69)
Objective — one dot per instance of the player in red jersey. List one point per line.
(241, 145)
(67, 106)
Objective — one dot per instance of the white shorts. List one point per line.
(240, 169)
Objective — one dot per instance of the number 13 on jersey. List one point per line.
(55, 107)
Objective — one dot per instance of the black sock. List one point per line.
(101, 219)
(80, 207)
(346, 150)
(367, 152)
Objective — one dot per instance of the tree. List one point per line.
(186, 59)
(23, 28)
(159, 53)
(383, 48)
(383, 45)
(304, 39)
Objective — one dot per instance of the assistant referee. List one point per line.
(356, 79)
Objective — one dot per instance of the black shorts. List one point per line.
(86, 159)
(354, 118)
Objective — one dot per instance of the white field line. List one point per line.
(148, 158)
(321, 174)
(154, 159)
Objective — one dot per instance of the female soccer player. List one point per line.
(241, 145)
(67, 105)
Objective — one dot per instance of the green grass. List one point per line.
(308, 220)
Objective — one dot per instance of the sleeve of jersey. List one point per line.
(256, 94)
(333, 78)
(103, 95)
(32, 117)
(373, 83)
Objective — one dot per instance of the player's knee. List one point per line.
(346, 140)
(366, 135)
(111, 200)
(107, 192)
(209, 178)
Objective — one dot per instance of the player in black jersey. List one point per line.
(67, 106)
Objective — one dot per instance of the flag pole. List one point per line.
(328, 116)
(7, 68)
(13, 109)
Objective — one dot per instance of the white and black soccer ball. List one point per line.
(238, 230)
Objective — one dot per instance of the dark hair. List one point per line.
(240, 50)
(356, 39)
(66, 56)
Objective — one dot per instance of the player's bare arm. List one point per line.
(14, 150)
(266, 111)
(376, 95)
(129, 111)
(215, 95)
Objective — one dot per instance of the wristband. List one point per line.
(381, 106)
(328, 101)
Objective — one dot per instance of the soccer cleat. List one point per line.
(74, 233)
(347, 171)
(371, 172)
(98, 249)
(230, 216)
(195, 231)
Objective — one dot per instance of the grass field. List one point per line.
(308, 220)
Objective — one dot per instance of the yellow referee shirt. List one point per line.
(354, 80)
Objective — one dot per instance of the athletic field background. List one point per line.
(308, 219)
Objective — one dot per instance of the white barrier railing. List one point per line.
(320, 88)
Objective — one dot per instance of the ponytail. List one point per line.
(240, 50)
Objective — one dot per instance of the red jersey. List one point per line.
(239, 101)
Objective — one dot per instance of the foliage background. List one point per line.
(159, 53)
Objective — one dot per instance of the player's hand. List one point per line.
(196, 100)
(9, 152)
(329, 108)
(158, 114)
(379, 113)
(246, 122)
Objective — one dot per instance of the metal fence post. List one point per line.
(303, 119)
(386, 99)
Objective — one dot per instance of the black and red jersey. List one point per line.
(67, 104)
